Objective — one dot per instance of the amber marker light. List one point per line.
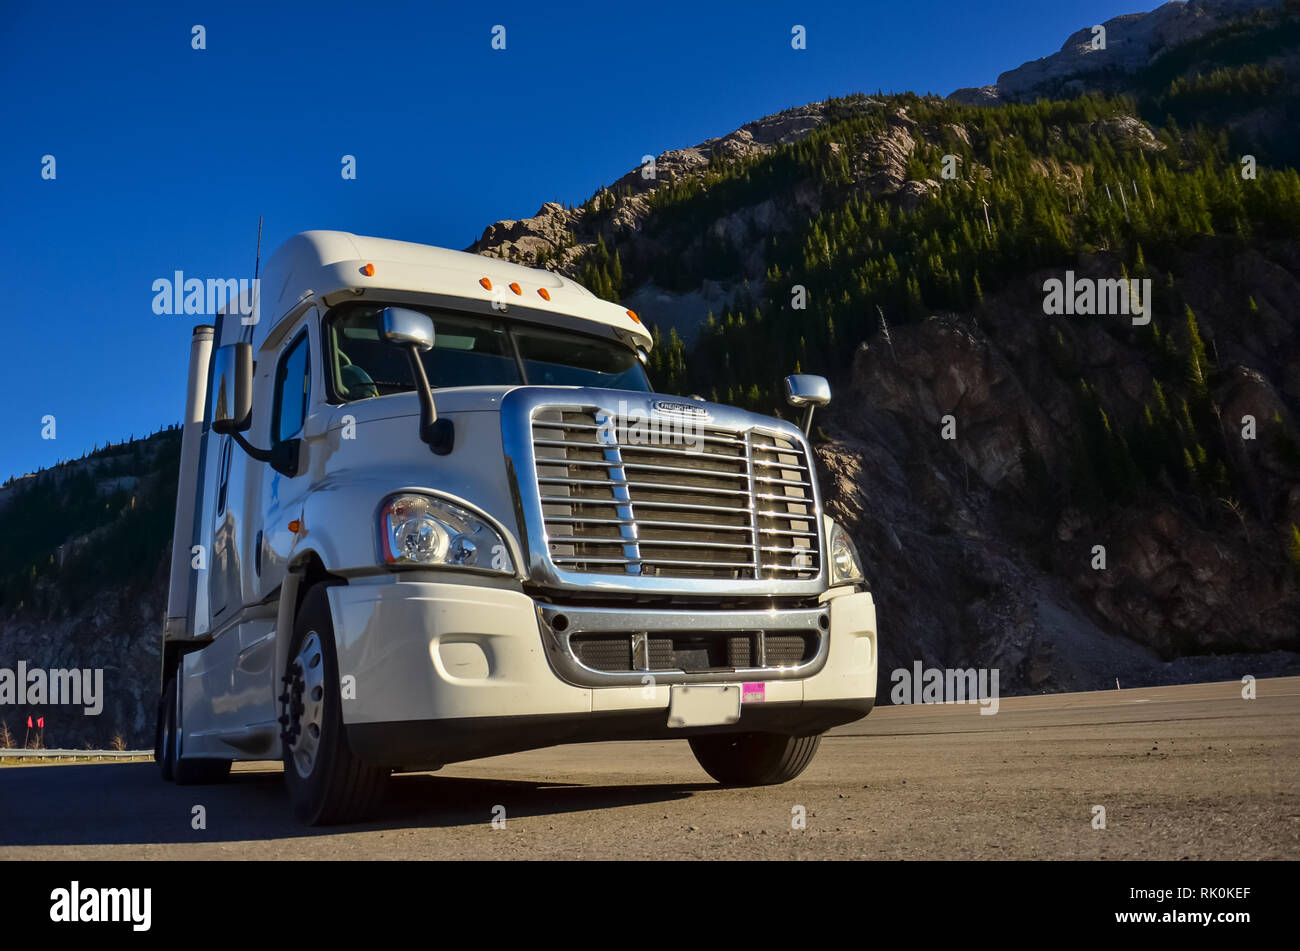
(516, 288)
(368, 270)
(487, 285)
(544, 293)
(632, 314)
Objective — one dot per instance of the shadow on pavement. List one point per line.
(116, 804)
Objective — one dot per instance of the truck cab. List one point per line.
(431, 509)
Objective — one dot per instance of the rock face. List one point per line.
(954, 549)
(120, 635)
(988, 95)
(522, 240)
(560, 238)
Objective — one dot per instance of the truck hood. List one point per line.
(481, 399)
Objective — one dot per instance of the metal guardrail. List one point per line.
(73, 754)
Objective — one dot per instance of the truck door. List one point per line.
(292, 387)
(252, 506)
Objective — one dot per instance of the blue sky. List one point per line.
(166, 156)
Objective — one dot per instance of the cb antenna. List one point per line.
(257, 260)
(257, 270)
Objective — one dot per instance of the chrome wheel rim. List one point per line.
(307, 704)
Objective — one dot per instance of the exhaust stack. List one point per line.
(177, 625)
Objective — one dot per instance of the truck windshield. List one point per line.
(472, 351)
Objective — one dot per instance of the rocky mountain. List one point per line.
(920, 233)
(1115, 51)
(1185, 60)
(1075, 499)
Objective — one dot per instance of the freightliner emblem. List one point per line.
(680, 409)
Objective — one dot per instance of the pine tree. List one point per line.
(1197, 362)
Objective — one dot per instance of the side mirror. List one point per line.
(807, 392)
(405, 327)
(232, 389)
(232, 407)
(413, 331)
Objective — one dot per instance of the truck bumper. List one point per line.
(435, 673)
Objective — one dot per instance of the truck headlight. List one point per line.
(846, 566)
(423, 530)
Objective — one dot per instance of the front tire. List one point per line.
(754, 759)
(326, 783)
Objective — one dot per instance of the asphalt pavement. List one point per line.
(1188, 772)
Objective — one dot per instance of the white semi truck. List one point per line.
(430, 509)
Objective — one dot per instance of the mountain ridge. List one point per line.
(1131, 42)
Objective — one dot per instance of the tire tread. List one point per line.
(754, 759)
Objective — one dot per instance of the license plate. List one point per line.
(703, 705)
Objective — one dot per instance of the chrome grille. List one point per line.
(716, 504)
